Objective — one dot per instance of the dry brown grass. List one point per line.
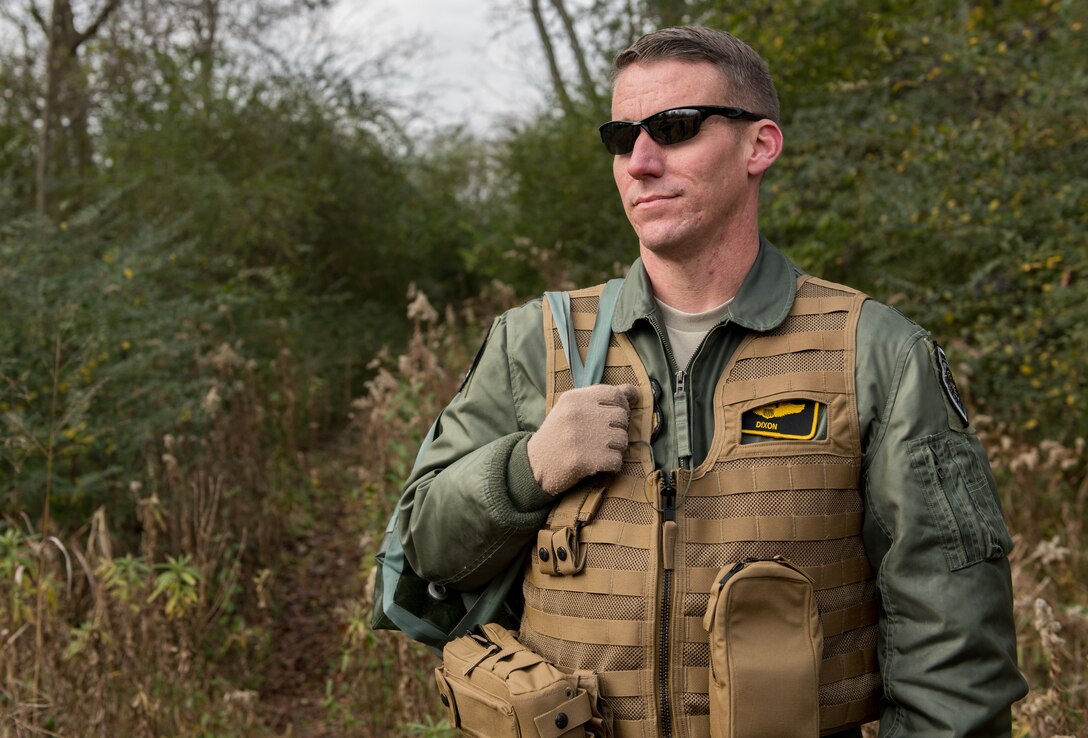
(1045, 498)
(163, 639)
(389, 422)
(125, 642)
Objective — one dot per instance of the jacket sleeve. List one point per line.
(935, 534)
(472, 504)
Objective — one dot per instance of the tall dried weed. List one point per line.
(164, 637)
(384, 682)
(1045, 498)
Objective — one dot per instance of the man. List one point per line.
(747, 413)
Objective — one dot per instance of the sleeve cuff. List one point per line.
(525, 494)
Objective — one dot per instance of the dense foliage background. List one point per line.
(210, 388)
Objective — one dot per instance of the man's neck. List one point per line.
(701, 281)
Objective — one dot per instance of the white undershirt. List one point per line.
(687, 330)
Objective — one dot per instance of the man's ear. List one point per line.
(765, 146)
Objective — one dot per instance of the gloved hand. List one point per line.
(585, 433)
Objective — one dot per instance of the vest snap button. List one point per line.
(561, 553)
(561, 720)
(543, 552)
(445, 700)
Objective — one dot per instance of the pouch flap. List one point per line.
(776, 568)
(566, 718)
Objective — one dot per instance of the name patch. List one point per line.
(795, 420)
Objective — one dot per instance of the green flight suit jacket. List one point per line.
(933, 528)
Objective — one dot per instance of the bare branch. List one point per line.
(38, 18)
(549, 51)
(589, 88)
(103, 14)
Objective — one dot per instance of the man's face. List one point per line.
(685, 197)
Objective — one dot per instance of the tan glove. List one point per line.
(585, 433)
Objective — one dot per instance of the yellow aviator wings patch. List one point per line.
(795, 420)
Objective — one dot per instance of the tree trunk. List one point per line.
(65, 91)
(207, 35)
(54, 69)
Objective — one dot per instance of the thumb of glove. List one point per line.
(585, 433)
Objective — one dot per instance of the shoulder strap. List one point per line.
(590, 371)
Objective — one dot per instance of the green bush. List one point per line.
(115, 336)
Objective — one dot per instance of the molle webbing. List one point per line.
(797, 499)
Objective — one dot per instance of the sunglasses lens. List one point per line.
(619, 137)
(674, 126)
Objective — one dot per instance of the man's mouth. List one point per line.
(647, 199)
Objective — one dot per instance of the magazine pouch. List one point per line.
(766, 643)
(494, 686)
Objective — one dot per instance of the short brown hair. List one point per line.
(749, 79)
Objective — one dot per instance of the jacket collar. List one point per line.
(764, 299)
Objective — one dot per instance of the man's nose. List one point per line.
(646, 158)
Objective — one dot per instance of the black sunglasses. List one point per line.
(667, 127)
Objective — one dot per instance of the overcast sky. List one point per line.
(471, 61)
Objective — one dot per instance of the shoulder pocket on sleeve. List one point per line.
(961, 498)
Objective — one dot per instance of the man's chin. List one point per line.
(664, 236)
(664, 249)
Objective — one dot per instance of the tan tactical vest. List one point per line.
(613, 589)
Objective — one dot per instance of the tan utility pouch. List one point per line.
(494, 687)
(766, 643)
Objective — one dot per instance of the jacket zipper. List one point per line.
(668, 545)
(682, 420)
(668, 523)
(669, 530)
(680, 395)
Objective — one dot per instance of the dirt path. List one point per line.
(321, 575)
